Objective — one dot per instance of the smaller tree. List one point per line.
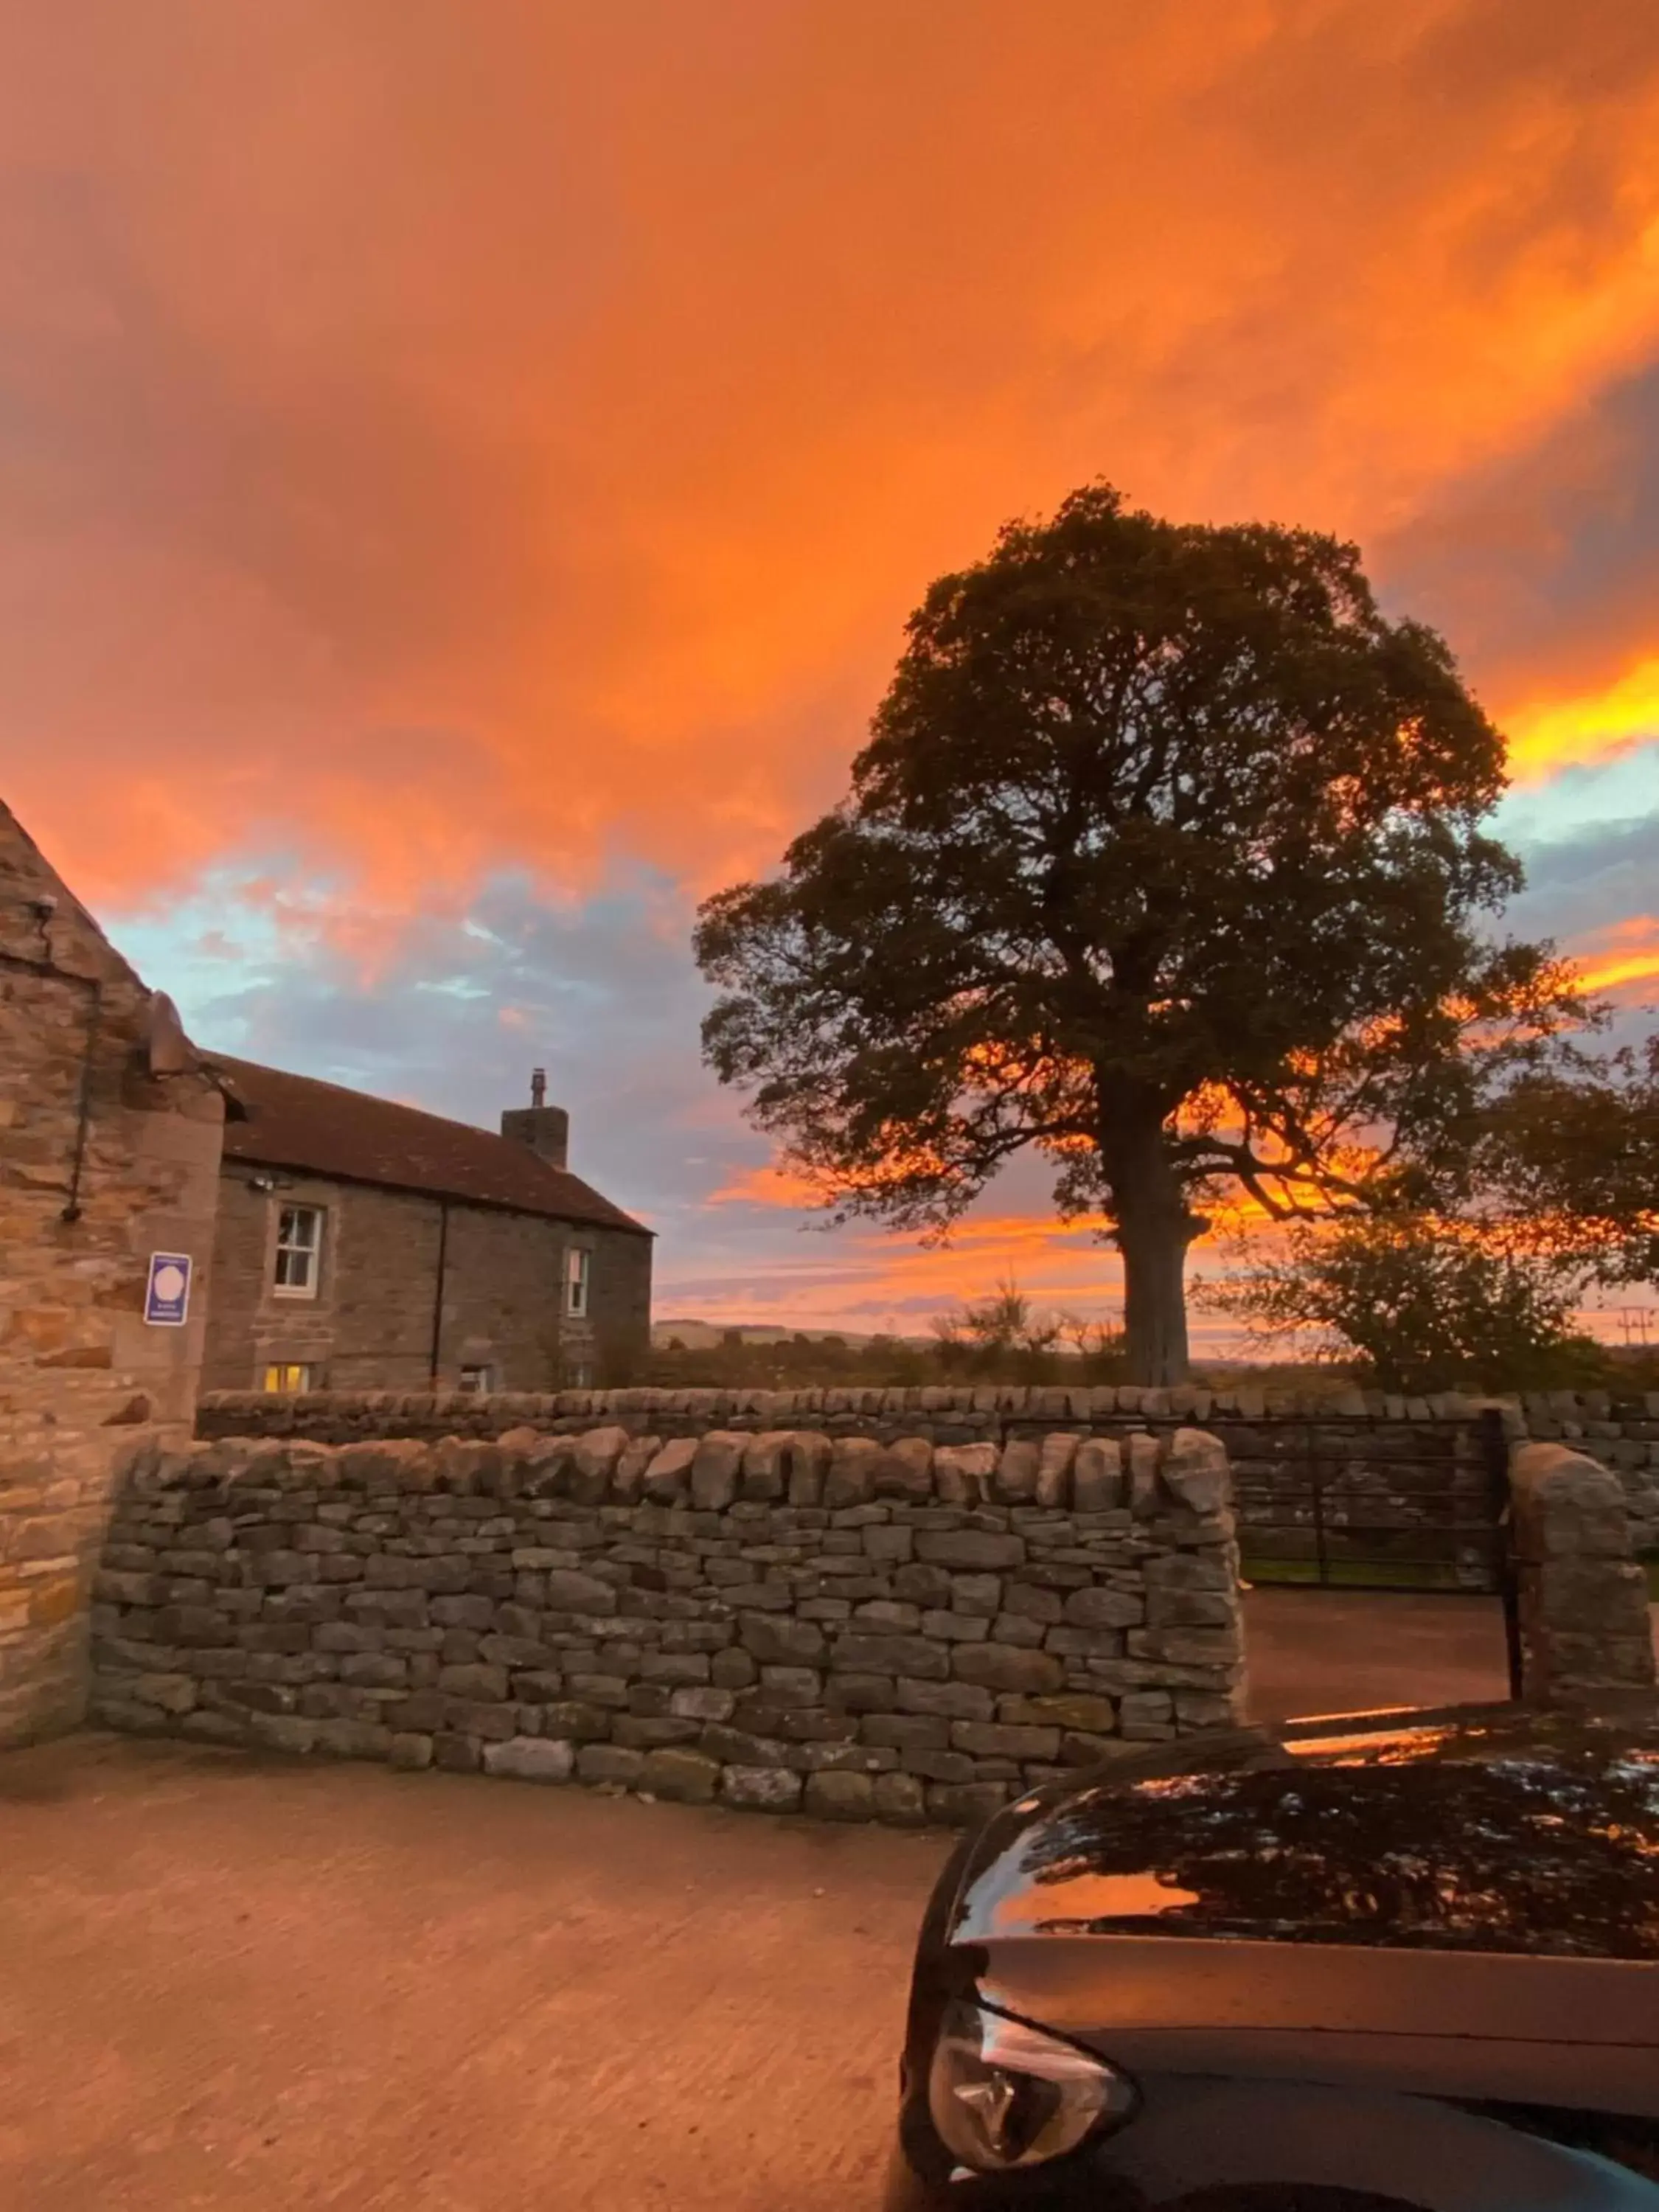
(1417, 1303)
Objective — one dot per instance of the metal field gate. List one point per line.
(1347, 1503)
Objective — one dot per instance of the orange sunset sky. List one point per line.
(467, 467)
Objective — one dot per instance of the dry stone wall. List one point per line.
(1385, 1447)
(848, 1627)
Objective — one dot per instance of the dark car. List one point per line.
(1391, 1959)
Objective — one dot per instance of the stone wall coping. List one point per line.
(1184, 1471)
(1039, 1402)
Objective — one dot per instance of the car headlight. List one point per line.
(1002, 2094)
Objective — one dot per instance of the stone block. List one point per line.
(1143, 1457)
(1194, 1471)
(609, 1762)
(641, 1734)
(947, 1700)
(593, 1461)
(1007, 1667)
(905, 1470)
(1136, 1706)
(776, 1639)
(349, 1739)
(963, 1473)
(1055, 1459)
(905, 1732)
(715, 1466)
(1098, 1478)
(477, 1683)
(1065, 1709)
(760, 1789)
(701, 1702)
(851, 1477)
(581, 1721)
(1069, 1642)
(942, 1765)
(955, 1627)
(899, 1800)
(1198, 1709)
(763, 1474)
(570, 1591)
(736, 1747)
(686, 1778)
(1032, 1600)
(965, 1804)
(969, 1550)
(848, 1757)
(857, 1653)
(1104, 1608)
(1195, 1647)
(169, 1693)
(860, 1693)
(1080, 1749)
(374, 1670)
(921, 1585)
(792, 1685)
(531, 1759)
(834, 1795)
(1191, 1608)
(978, 1595)
(887, 1612)
(1015, 1481)
(891, 1544)
(668, 1477)
(1004, 1739)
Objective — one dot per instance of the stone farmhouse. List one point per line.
(364, 1245)
(169, 1216)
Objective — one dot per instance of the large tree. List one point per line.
(1165, 858)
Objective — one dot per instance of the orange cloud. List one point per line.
(450, 440)
(1593, 725)
(765, 1186)
(1625, 955)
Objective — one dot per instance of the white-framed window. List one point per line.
(578, 1280)
(287, 1374)
(299, 1251)
(481, 1380)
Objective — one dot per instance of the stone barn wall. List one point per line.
(110, 1133)
(783, 1620)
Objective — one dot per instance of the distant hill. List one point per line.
(705, 1335)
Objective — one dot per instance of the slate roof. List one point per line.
(276, 1120)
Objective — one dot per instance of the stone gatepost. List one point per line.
(1584, 1598)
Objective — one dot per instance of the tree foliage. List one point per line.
(1414, 1303)
(1568, 1157)
(1165, 858)
(1005, 1337)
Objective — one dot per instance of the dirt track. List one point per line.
(229, 1986)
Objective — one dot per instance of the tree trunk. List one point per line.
(1154, 1228)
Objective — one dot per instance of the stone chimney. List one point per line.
(545, 1128)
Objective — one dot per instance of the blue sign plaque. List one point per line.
(166, 1298)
